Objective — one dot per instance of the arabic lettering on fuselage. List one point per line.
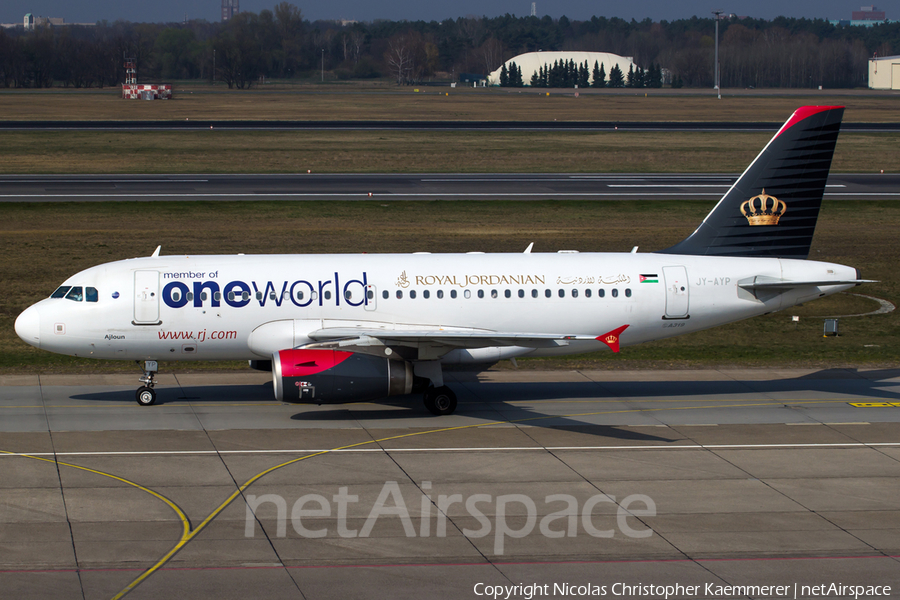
(604, 279)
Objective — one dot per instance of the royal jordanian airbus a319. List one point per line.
(342, 328)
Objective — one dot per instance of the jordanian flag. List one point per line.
(649, 278)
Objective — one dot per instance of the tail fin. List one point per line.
(771, 210)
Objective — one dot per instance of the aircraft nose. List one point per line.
(28, 326)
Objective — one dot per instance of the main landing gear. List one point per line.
(440, 400)
(146, 395)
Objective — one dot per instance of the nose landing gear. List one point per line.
(146, 395)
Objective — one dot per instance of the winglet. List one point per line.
(156, 252)
(611, 339)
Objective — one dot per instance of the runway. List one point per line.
(388, 125)
(392, 187)
(575, 480)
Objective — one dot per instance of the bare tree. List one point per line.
(490, 54)
(399, 57)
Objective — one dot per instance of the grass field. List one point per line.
(220, 151)
(45, 243)
(363, 102)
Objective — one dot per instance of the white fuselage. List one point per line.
(249, 306)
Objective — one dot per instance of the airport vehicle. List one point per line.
(340, 328)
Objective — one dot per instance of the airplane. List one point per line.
(336, 328)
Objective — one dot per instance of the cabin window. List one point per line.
(385, 294)
(259, 295)
(615, 293)
(245, 296)
(347, 294)
(61, 291)
(189, 296)
(628, 292)
(534, 293)
(426, 294)
(507, 294)
(481, 293)
(587, 293)
(601, 293)
(521, 293)
(370, 295)
(328, 294)
(548, 293)
(176, 295)
(76, 294)
(272, 296)
(231, 296)
(574, 293)
(217, 296)
(562, 293)
(467, 294)
(412, 294)
(300, 295)
(399, 294)
(203, 296)
(453, 294)
(440, 294)
(493, 293)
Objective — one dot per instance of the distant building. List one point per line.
(866, 16)
(30, 22)
(229, 9)
(530, 62)
(867, 13)
(884, 73)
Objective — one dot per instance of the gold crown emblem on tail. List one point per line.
(611, 339)
(763, 209)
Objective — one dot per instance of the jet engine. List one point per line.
(334, 376)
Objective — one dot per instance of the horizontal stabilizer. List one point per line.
(770, 284)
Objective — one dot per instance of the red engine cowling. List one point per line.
(333, 376)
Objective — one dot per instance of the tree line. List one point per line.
(281, 44)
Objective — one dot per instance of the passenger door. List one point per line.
(146, 298)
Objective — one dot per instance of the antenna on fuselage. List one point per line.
(156, 252)
(528, 249)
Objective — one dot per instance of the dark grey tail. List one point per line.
(771, 210)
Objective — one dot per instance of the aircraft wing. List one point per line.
(450, 338)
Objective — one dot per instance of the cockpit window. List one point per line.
(61, 291)
(91, 294)
(76, 294)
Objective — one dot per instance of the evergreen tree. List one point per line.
(584, 75)
(595, 74)
(629, 80)
(640, 78)
(519, 82)
(504, 76)
(616, 79)
(602, 81)
(535, 80)
(655, 77)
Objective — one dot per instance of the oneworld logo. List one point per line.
(237, 294)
